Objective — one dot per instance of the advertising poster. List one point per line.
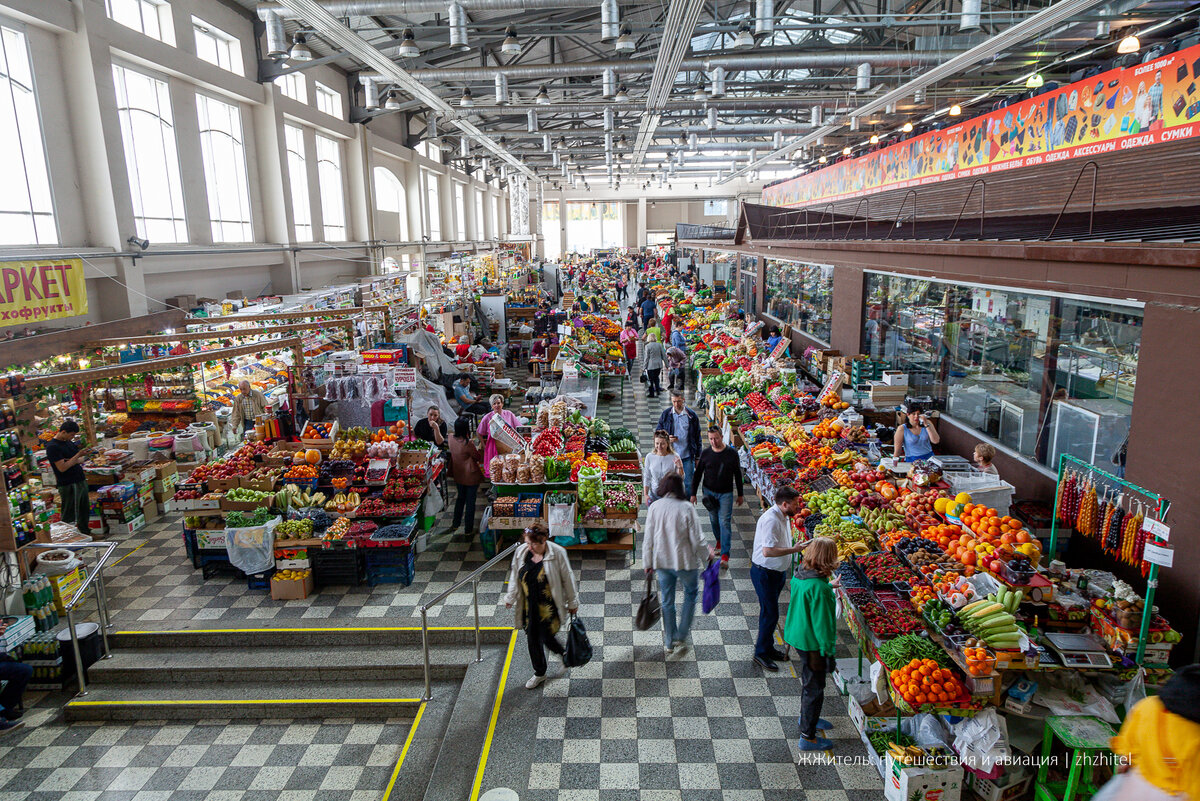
(1120, 109)
(35, 291)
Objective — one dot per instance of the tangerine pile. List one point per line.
(979, 661)
(923, 681)
(989, 526)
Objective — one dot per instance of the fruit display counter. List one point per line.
(342, 506)
(576, 475)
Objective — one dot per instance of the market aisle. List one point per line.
(631, 725)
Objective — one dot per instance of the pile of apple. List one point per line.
(917, 508)
(239, 463)
(863, 480)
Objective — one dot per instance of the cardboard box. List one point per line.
(185, 302)
(292, 564)
(293, 590)
(164, 469)
(150, 511)
(895, 378)
(166, 506)
(921, 782)
(137, 524)
(870, 715)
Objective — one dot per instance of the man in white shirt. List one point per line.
(770, 561)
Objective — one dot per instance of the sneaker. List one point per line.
(822, 724)
(766, 664)
(534, 682)
(724, 561)
(815, 744)
(668, 650)
(681, 648)
(10, 725)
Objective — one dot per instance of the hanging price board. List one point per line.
(406, 377)
(1161, 555)
(1158, 529)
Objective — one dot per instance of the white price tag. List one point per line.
(1161, 555)
(1158, 528)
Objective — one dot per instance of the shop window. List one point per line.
(293, 139)
(151, 157)
(801, 295)
(1043, 375)
(151, 17)
(749, 296)
(292, 85)
(333, 200)
(26, 207)
(217, 47)
(328, 100)
(224, 155)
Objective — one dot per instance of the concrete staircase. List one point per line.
(277, 672)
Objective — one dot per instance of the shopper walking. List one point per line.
(629, 340)
(542, 589)
(248, 404)
(718, 470)
(66, 460)
(485, 430)
(647, 308)
(811, 628)
(466, 465)
(676, 367)
(660, 463)
(15, 676)
(1160, 741)
(656, 356)
(631, 318)
(683, 424)
(769, 565)
(674, 548)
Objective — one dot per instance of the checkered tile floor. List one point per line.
(629, 725)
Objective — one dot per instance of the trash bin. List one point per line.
(89, 647)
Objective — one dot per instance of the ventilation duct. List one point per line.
(610, 20)
(370, 95)
(546, 148)
(862, 78)
(502, 90)
(464, 147)
(608, 143)
(816, 116)
(609, 83)
(531, 121)
(431, 127)
(717, 87)
(609, 119)
(711, 121)
(458, 27)
(777, 140)
(764, 16)
(969, 20)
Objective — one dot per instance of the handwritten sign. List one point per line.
(1157, 528)
(1161, 555)
(34, 291)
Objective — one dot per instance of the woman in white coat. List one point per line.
(542, 588)
(673, 546)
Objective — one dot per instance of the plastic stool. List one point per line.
(1082, 734)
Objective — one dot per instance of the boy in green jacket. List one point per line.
(811, 628)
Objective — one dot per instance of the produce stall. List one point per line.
(572, 473)
(960, 615)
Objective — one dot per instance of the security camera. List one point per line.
(138, 243)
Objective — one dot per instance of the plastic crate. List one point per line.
(1009, 786)
(390, 567)
(260, 581)
(341, 566)
(529, 504)
(213, 566)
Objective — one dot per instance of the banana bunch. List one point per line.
(343, 502)
(844, 458)
(847, 548)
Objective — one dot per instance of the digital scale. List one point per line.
(1078, 650)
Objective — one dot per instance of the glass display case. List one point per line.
(801, 295)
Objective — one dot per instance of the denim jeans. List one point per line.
(677, 631)
(465, 499)
(812, 695)
(689, 470)
(722, 519)
(767, 586)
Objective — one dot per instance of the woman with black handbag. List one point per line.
(542, 588)
(811, 628)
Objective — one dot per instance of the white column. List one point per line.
(562, 223)
(641, 223)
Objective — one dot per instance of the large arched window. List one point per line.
(151, 156)
(224, 155)
(390, 197)
(26, 207)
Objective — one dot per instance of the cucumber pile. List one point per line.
(991, 619)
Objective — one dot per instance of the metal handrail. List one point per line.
(1067, 202)
(96, 575)
(854, 216)
(473, 578)
(966, 200)
(899, 212)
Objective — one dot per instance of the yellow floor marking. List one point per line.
(253, 701)
(404, 752)
(487, 741)
(314, 628)
(131, 553)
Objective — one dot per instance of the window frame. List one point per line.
(169, 153)
(297, 163)
(323, 96)
(212, 182)
(226, 42)
(35, 208)
(163, 18)
(331, 188)
(297, 80)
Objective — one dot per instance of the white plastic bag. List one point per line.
(252, 549)
(1136, 690)
(561, 520)
(434, 502)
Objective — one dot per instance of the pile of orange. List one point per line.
(979, 661)
(890, 538)
(946, 582)
(828, 429)
(989, 526)
(300, 471)
(923, 681)
(842, 477)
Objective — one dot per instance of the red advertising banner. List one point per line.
(1116, 110)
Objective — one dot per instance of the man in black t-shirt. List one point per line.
(432, 428)
(717, 472)
(65, 459)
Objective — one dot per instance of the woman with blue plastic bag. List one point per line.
(674, 548)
